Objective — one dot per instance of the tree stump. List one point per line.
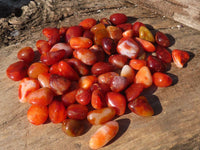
(176, 123)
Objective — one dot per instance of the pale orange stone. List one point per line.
(86, 82)
(128, 47)
(128, 72)
(27, 86)
(144, 76)
(80, 42)
(128, 33)
(43, 79)
(103, 135)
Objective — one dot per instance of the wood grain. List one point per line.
(175, 127)
(184, 11)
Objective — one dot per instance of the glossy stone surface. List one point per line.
(103, 135)
(144, 76)
(37, 68)
(133, 91)
(145, 33)
(42, 96)
(128, 47)
(141, 107)
(117, 101)
(59, 84)
(101, 67)
(37, 114)
(118, 18)
(101, 116)
(80, 42)
(77, 111)
(57, 111)
(87, 56)
(162, 39)
(162, 79)
(180, 57)
(99, 35)
(17, 71)
(26, 54)
(26, 86)
(73, 127)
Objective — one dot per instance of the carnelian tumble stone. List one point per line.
(26, 86)
(180, 57)
(77, 111)
(145, 33)
(134, 91)
(162, 39)
(88, 23)
(101, 138)
(43, 46)
(80, 42)
(57, 112)
(117, 101)
(128, 47)
(26, 54)
(98, 98)
(137, 63)
(73, 127)
(86, 82)
(17, 71)
(37, 114)
(52, 34)
(161, 79)
(144, 77)
(101, 116)
(59, 84)
(37, 68)
(146, 45)
(51, 58)
(86, 56)
(69, 98)
(128, 73)
(42, 96)
(141, 106)
(118, 18)
(43, 79)
(73, 31)
(79, 66)
(119, 83)
(101, 67)
(106, 78)
(65, 70)
(163, 54)
(118, 60)
(99, 35)
(83, 96)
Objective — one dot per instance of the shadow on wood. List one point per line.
(131, 19)
(123, 126)
(171, 39)
(155, 104)
(174, 78)
(149, 91)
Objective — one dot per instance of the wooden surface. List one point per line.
(184, 11)
(176, 126)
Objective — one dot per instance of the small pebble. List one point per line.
(15, 33)
(179, 26)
